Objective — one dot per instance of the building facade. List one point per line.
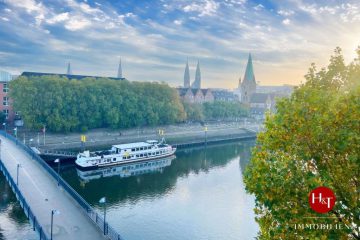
(190, 95)
(6, 102)
(248, 85)
(187, 75)
(197, 82)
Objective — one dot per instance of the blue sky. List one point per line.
(154, 38)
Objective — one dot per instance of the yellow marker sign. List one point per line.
(83, 138)
(205, 129)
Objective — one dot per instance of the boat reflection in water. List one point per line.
(126, 170)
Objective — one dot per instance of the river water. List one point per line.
(199, 194)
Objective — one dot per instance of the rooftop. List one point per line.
(77, 77)
(132, 145)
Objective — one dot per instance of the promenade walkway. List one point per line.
(42, 193)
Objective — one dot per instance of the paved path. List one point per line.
(43, 195)
(174, 134)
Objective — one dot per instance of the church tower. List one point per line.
(197, 83)
(69, 72)
(119, 73)
(187, 75)
(248, 85)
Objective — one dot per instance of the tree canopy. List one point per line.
(312, 140)
(72, 105)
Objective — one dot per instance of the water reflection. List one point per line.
(124, 185)
(126, 170)
(13, 222)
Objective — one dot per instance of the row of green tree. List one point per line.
(78, 105)
(312, 140)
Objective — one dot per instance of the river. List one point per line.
(198, 195)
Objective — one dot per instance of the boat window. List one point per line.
(141, 155)
(128, 157)
(137, 155)
(124, 157)
(157, 153)
(114, 159)
(133, 149)
(141, 148)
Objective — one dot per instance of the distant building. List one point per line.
(69, 74)
(187, 75)
(195, 95)
(224, 95)
(119, 74)
(248, 85)
(197, 82)
(77, 77)
(6, 103)
(282, 90)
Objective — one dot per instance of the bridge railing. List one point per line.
(92, 214)
(55, 152)
(23, 203)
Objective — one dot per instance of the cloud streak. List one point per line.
(154, 39)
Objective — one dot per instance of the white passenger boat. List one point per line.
(126, 170)
(124, 153)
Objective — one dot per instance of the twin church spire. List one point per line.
(119, 72)
(197, 82)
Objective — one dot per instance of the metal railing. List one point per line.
(27, 210)
(59, 153)
(212, 140)
(91, 213)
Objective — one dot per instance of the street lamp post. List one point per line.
(58, 172)
(4, 124)
(53, 212)
(103, 201)
(17, 173)
(205, 129)
(44, 131)
(15, 132)
(38, 139)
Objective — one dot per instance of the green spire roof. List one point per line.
(249, 73)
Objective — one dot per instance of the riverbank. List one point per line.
(181, 135)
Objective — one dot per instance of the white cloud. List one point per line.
(178, 22)
(77, 23)
(286, 21)
(204, 8)
(83, 7)
(5, 19)
(7, 10)
(59, 45)
(259, 7)
(286, 13)
(38, 10)
(59, 18)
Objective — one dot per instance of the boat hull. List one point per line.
(124, 161)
